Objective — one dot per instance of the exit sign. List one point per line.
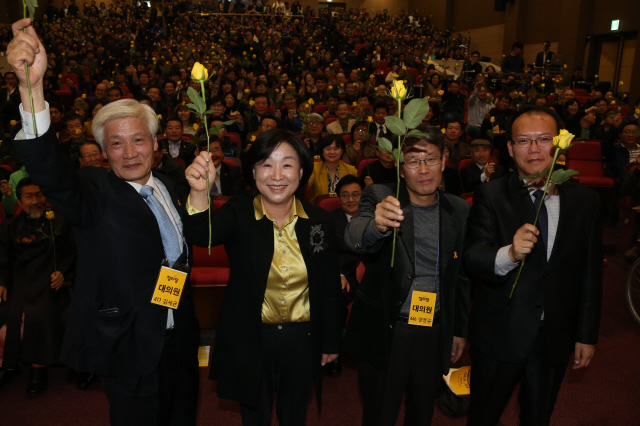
(615, 25)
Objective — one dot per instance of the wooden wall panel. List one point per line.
(488, 41)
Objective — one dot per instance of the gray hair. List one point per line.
(124, 108)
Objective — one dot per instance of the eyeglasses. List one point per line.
(89, 155)
(541, 141)
(215, 149)
(356, 196)
(414, 163)
(315, 123)
(266, 126)
(629, 132)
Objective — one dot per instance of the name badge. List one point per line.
(169, 287)
(423, 305)
(496, 129)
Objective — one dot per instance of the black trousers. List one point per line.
(167, 397)
(414, 370)
(493, 382)
(288, 365)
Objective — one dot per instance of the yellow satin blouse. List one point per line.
(287, 296)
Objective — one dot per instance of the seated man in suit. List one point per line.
(378, 128)
(342, 126)
(174, 145)
(349, 191)
(228, 179)
(382, 171)
(481, 170)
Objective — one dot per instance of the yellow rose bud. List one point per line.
(398, 91)
(542, 85)
(310, 101)
(355, 104)
(279, 67)
(492, 119)
(596, 76)
(440, 92)
(244, 53)
(247, 90)
(277, 90)
(13, 122)
(372, 76)
(59, 75)
(565, 65)
(252, 102)
(78, 132)
(159, 116)
(621, 83)
(84, 96)
(404, 67)
(251, 48)
(613, 102)
(199, 72)
(50, 215)
(253, 138)
(637, 111)
(375, 52)
(370, 119)
(341, 84)
(111, 82)
(196, 127)
(444, 131)
(563, 140)
(254, 56)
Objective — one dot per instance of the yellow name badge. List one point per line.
(423, 305)
(169, 287)
(496, 129)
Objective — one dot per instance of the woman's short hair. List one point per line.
(124, 108)
(267, 142)
(327, 141)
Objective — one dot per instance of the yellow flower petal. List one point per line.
(563, 140)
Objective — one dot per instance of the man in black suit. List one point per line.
(174, 145)
(128, 224)
(378, 128)
(554, 311)
(481, 170)
(228, 179)
(409, 321)
(544, 58)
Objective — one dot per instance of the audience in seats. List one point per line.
(331, 169)
(174, 145)
(228, 179)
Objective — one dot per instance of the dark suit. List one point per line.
(119, 256)
(451, 181)
(507, 335)
(186, 153)
(373, 131)
(231, 180)
(540, 62)
(238, 352)
(470, 176)
(373, 324)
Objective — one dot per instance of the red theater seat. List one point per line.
(586, 158)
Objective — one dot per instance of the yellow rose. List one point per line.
(84, 96)
(251, 48)
(440, 92)
(247, 90)
(444, 131)
(637, 111)
(613, 102)
(563, 140)
(59, 75)
(310, 101)
(395, 75)
(159, 116)
(398, 91)
(244, 53)
(254, 56)
(13, 122)
(375, 52)
(596, 76)
(50, 215)
(565, 65)
(279, 67)
(372, 76)
(277, 90)
(111, 82)
(370, 119)
(290, 83)
(404, 67)
(542, 85)
(78, 132)
(252, 102)
(341, 84)
(253, 138)
(355, 104)
(196, 127)
(621, 83)
(199, 72)
(492, 119)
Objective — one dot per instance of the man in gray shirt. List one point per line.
(408, 322)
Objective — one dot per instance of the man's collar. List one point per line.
(261, 211)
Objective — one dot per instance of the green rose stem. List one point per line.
(395, 230)
(206, 128)
(26, 71)
(535, 222)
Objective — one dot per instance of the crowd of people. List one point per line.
(297, 102)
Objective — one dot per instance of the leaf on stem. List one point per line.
(396, 125)
(31, 7)
(415, 112)
(197, 100)
(385, 145)
(560, 176)
(530, 178)
(418, 134)
(397, 155)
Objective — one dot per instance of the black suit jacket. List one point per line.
(231, 180)
(186, 153)
(568, 287)
(539, 58)
(373, 131)
(236, 362)
(349, 260)
(384, 289)
(119, 256)
(470, 176)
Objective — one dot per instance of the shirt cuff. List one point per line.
(192, 210)
(504, 265)
(483, 177)
(43, 121)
